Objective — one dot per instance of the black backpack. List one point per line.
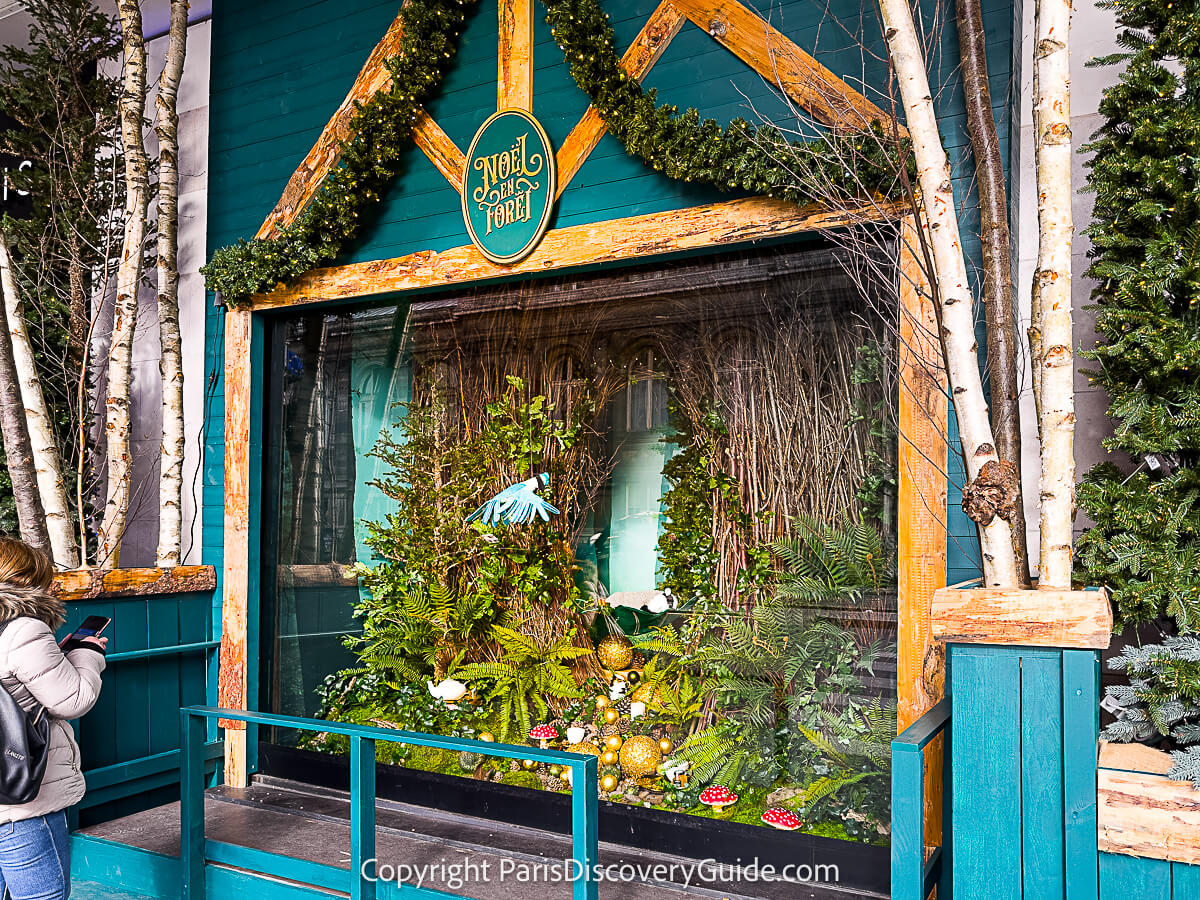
(24, 747)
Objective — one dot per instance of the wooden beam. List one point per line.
(1134, 758)
(637, 237)
(1031, 618)
(921, 511)
(1150, 816)
(441, 150)
(654, 38)
(324, 155)
(778, 60)
(231, 683)
(86, 584)
(514, 75)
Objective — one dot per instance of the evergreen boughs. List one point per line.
(681, 145)
(1145, 545)
(686, 147)
(370, 159)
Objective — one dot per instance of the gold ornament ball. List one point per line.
(633, 676)
(583, 747)
(487, 737)
(529, 764)
(640, 756)
(666, 745)
(611, 715)
(602, 702)
(646, 693)
(613, 742)
(609, 758)
(615, 652)
(608, 783)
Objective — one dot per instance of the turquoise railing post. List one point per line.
(192, 730)
(1081, 731)
(585, 816)
(914, 877)
(196, 850)
(362, 817)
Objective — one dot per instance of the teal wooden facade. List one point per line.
(164, 657)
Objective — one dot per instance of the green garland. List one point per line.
(759, 160)
(370, 160)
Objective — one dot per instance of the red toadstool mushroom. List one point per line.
(718, 796)
(783, 819)
(544, 734)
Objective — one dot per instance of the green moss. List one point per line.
(828, 829)
(521, 778)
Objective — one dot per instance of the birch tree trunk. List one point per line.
(988, 496)
(1051, 335)
(129, 275)
(170, 486)
(997, 265)
(17, 450)
(43, 447)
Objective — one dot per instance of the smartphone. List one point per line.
(93, 626)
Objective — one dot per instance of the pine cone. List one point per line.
(560, 725)
(623, 706)
(623, 725)
(513, 765)
(555, 784)
(607, 730)
(639, 662)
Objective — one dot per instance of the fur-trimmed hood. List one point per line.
(33, 603)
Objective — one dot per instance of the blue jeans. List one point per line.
(35, 859)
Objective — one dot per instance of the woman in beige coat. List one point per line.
(35, 859)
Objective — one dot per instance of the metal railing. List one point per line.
(196, 851)
(914, 876)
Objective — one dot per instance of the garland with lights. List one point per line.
(370, 160)
(839, 166)
(743, 157)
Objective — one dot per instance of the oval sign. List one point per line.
(508, 186)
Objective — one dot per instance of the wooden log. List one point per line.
(514, 59)
(86, 584)
(231, 681)
(654, 38)
(637, 237)
(1036, 618)
(1146, 815)
(921, 512)
(777, 59)
(441, 150)
(308, 177)
(1134, 758)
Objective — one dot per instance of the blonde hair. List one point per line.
(23, 566)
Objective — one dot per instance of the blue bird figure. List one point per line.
(517, 504)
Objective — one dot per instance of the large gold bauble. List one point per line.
(614, 742)
(611, 715)
(640, 756)
(646, 693)
(666, 745)
(584, 747)
(608, 783)
(609, 758)
(615, 652)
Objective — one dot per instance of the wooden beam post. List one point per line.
(514, 66)
(921, 508)
(236, 579)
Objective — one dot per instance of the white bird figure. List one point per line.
(517, 504)
(449, 690)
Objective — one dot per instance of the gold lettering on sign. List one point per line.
(507, 190)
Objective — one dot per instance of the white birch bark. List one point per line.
(170, 486)
(1051, 336)
(129, 275)
(46, 460)
(954, 294)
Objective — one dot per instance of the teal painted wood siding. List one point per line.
(1023, 775)
(279, 71)
(161, 652)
